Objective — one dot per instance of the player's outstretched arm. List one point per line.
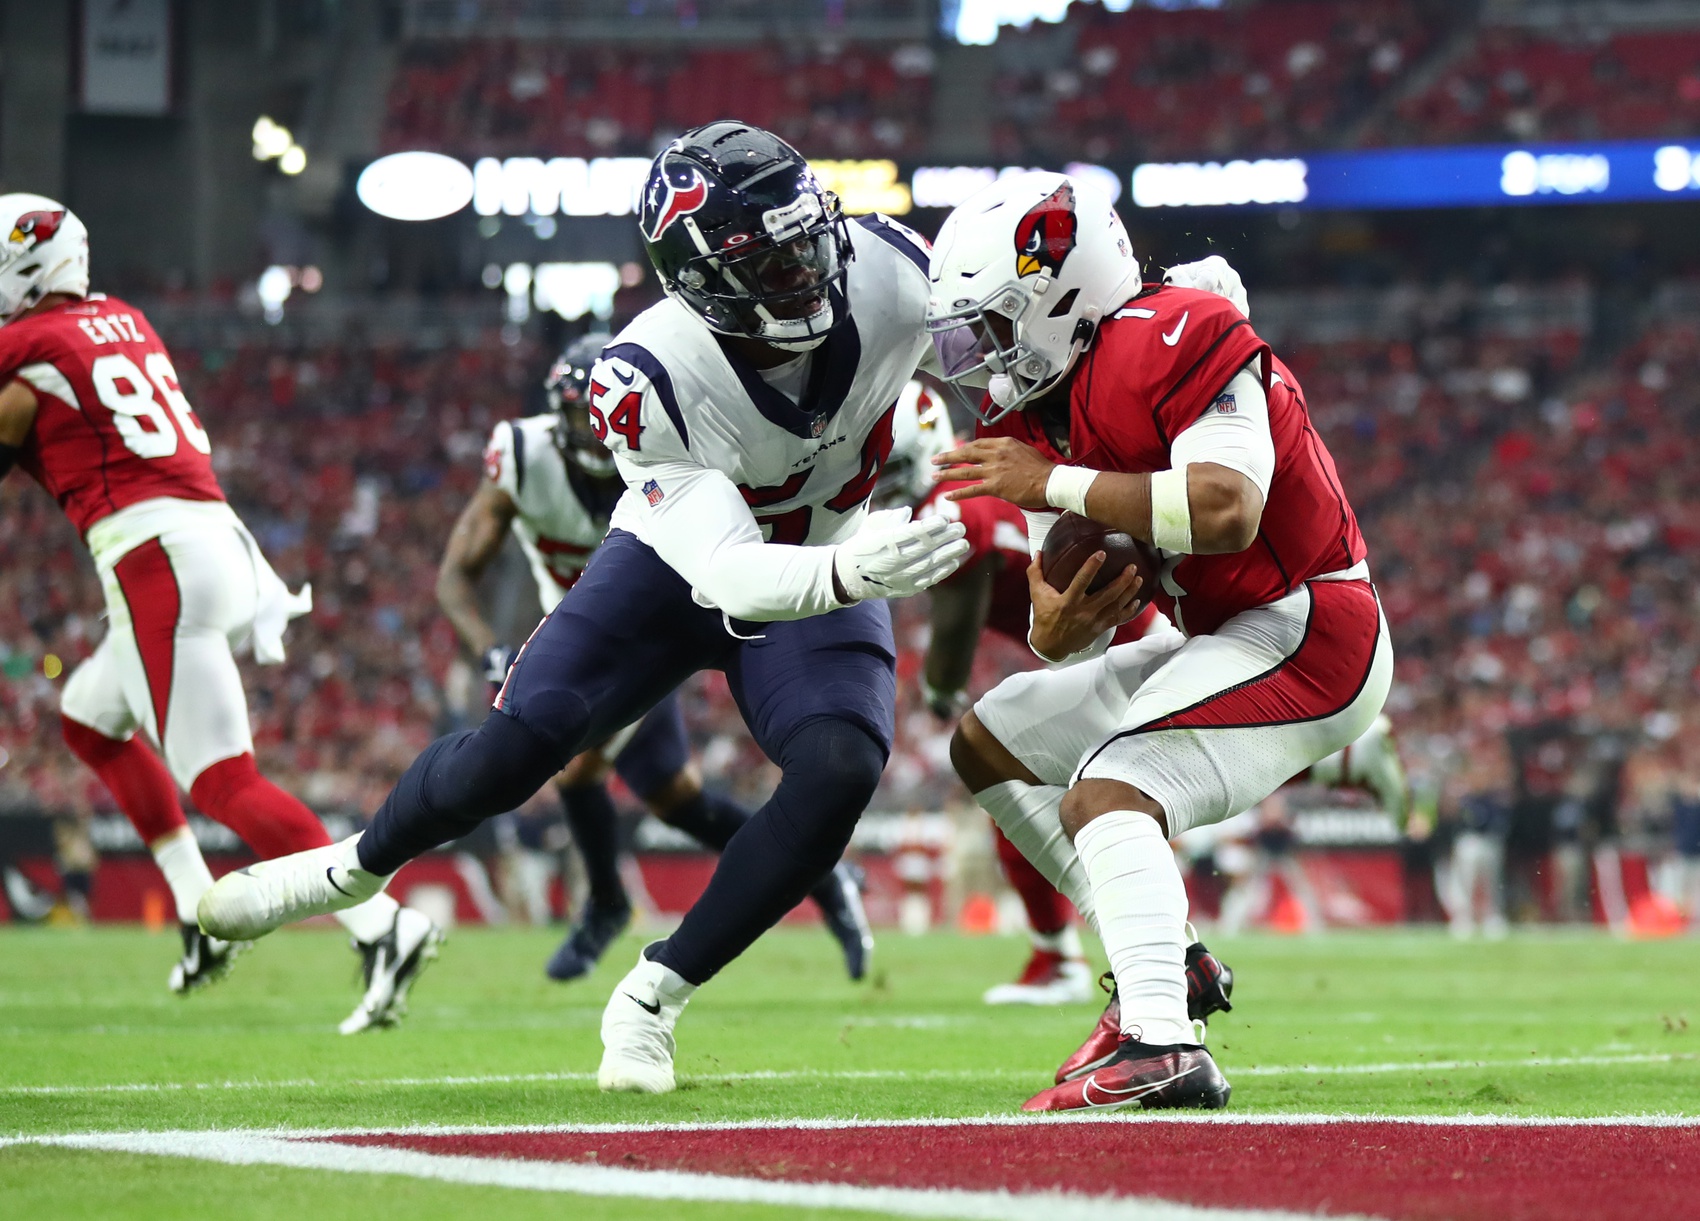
(473, 544)
(17, 416)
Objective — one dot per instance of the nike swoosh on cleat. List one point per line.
(652, 1009)
(332, 880)
(1174, 336)
(1119, 1097)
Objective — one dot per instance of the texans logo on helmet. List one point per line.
(1046, 234)
(39, 225)
(680, 201)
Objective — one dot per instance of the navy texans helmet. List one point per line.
(568, 390)
(743, 235)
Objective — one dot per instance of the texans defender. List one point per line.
(90, 406)
(749, 414)
(1158, 411)
(553, 484)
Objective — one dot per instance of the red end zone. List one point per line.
(1420, 1172)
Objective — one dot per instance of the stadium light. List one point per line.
(415, 186)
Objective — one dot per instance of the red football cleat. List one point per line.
(1102, 1043)
(1209, 984)
(1155, 1078)
(1049, 979)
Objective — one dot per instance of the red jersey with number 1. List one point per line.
(1158, 364)
(112, 427)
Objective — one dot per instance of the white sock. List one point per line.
(1065, 942)
(1028, 815)
(179, 859)
(1142, 919)
(370, 920)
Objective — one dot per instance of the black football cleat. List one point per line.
(205, 960)
(1180, 1076)
(1209, 984)
(839, 897)
(585, 945)
(390, 966)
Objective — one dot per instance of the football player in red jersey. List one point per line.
(91, 407)
(1156, 410)
(988, 593)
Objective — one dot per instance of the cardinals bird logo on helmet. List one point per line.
(36, 226)
(1046, 234)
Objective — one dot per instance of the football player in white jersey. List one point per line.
(553, 485)
(749, 413)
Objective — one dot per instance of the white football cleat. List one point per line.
(1049, 979)
(391, 965)
(637, 1029)
(254, 900)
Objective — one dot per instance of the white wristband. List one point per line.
(1171, 511)
(1066, 488)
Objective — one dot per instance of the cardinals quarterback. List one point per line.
(552, 484)
(1156, 410)
(91, 407)
(749, 414)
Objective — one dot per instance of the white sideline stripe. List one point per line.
(1271, 1070)
(250, 1148)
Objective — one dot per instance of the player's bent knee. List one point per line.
(1088, 799)
(981, 760)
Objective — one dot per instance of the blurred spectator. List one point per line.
(1480, 818)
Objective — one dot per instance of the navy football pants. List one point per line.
(817, 694)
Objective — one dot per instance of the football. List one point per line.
(1071, 543)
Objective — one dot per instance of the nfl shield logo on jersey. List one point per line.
(652, 492)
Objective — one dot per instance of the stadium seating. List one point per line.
(482, 97)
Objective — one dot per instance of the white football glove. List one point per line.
(893, 557)
(1211, 275)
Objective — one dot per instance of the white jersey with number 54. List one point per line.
(737, 476)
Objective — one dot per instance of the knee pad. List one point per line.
(831, 769)
(496, 767)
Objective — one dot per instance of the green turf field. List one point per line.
(1571, 1024)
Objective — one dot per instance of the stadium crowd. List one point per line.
(1116, 87)
(509, 98)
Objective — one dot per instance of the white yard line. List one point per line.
(247, 1149)
(1232, 1070)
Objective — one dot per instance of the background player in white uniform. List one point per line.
(90, 405)
(552, 483)
(750, 413)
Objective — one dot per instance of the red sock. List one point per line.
(271, 821)
(135, 777)
(1047, 910)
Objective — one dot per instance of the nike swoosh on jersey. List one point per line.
(1174, 336)
(1115, 1098)
(625, 378)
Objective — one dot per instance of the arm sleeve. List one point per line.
(1233, 432)
(701, 526)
